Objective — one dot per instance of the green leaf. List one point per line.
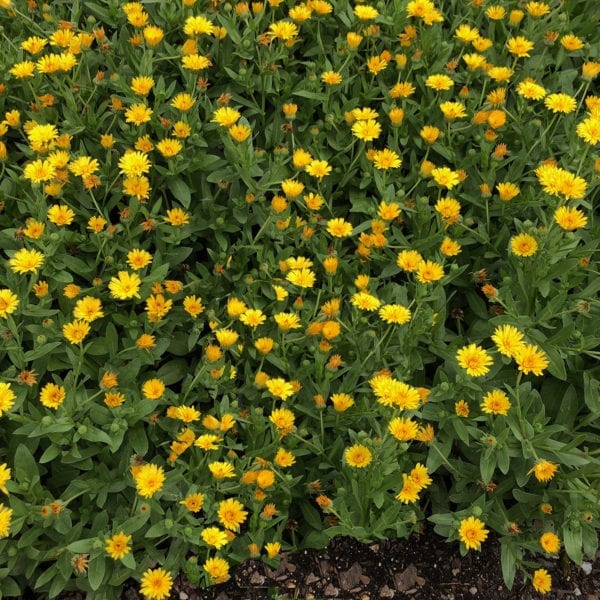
(26, 469)
(573, 541)
(96, 572)
(81, 546)
(591, 392)
(508, 558)
(181, 191)
(311, 516)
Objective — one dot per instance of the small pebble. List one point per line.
(577, 592)
(473, 590)
(587, 567)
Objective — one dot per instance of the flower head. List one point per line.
(231, 514)
(472, 533)
(358, 456)
(474, 359)
(156, 584)
(541, 581)
(544, 470)
(149, 479)
(117, 546)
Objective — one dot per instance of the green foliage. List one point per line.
(325, 269)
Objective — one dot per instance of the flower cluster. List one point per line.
(273, 262)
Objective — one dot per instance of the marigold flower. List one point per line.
(193, 502)
(283, 419)
(560, 103)
(138, 113)
(339, 228)
(5, 520)
(331, 78)
(4, 478)
(231, 514)
(7, 397)
(8, 302)
(429, 271)
(589, 130)
(541, 580)
(358, 456)
(341, 402)
(523, 245)
(366, 130)
(570, 218)
(117, 546)
(134, 164)
(461, 408)
(395, 313)
(508, 339)
(156, 584)
(76, 331)
(26, 261)
(280, 388)
(439, 82)
(225, 116)
(519, 46)
(472, 533)
(125, 285)
(283, 30)
(217, 569)
(410, 490)
(474, 359)
(550, 542)
(531, 359)
(149, 479)
(495, 402)
(403, 430)
(453, 110)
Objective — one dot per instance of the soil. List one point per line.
(423, 567)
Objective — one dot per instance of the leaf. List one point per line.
(591, 392)
(572, 538)
(96, 572)
(508, 559)
(311, 516)
(41, 351)
(181, 191)
(26, 469)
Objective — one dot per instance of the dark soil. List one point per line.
(421, 568)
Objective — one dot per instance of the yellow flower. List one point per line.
(138, 259)
(39, 171)
(560, 103)
(496, 12)
(76, 331)
(461, 408)
(8, 303)
(283, 419)
(519, 46)
(142, 85)
(472, 533)
(125, 285)
(114, 399)
(403, 430)
(589, 130)
(523, 245)
(466, 33)
(318, 168)
(149, 479)
(221, 470)
(5, 519)
(358, 456)
(429, 271)
(273, 549)
(240, 132)
(341, 402)
(364, 12)
(26, 261)
(217, 569)
(331, 78)
(284, 458)
(537, 9)
(386, 159)
(508, 339)
(409, 260)
(507, 191)
(134, 164)
(542, 580)
(339, 228)
(450, 247)
(395, 313)
(283, 30)
(495, 402)
(177, 217)
(213, 536)
(156, 584)
(169, 147)
(531, 359)
(4, 477)
(453, 110)
(366, 130)
(52, 395)
(60, 215)
(410, 490)
(146, 341)
(23, 69)
(365, 301)
(474, 359)
(544, 470)
(445, 177)
(225, 116)
(550, 542)
(301, 277)
(231, 514)
(439, 82)
(197, 25)
(570, 218)
(138, 113)
(193, 502)
(531, 90)
(117, 546)
(430, 133)
(153, 389)
(7, 397)
(280, 388)
(420, 475)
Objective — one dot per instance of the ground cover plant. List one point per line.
(272, 273)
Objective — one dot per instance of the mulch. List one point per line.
(424, 567)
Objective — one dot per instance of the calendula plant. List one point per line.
(273, 272)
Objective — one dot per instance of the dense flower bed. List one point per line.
(275, 272)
